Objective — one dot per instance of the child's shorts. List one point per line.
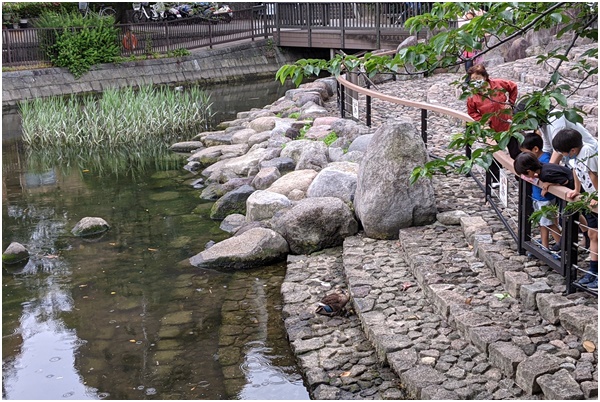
(546, 220)
(592, 220)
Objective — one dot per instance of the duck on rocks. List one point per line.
(334, 304)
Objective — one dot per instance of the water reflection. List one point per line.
(120, 317)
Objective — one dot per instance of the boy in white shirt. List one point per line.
(583, 159)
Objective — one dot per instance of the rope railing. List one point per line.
(566, 263)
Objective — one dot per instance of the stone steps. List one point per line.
(480, 321)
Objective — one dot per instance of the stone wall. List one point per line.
(230, 63)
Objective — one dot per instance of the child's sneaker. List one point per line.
(587, 279)
(593, 285)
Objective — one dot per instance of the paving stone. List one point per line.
(513, 280)
(419, 377)
(506, 356)
(483, 336)
(575, 319)
(529, 291)
(559, 386)
(550, 304)
(531, 368)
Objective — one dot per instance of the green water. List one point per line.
(124, 316)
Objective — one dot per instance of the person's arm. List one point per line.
(556, 157)
(513, 91)
(577, 185)
(594, 177)
(472, 109)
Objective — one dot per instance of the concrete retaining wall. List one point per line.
(230, 63)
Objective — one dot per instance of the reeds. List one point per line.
(119, 119)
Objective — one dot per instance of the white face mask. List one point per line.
(478, 83)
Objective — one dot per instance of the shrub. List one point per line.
(78, 43)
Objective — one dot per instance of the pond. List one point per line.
(125, 316)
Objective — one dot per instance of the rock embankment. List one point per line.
(449, 310)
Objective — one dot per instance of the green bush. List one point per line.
(78, 43)
(35, 10)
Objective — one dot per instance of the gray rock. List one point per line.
(530, 369)
(385, 201)
(311, 110)
(262, 205)
(259, 138)
(15, 253)
(349, 129)
(265, 177)
(550, 305)
(307, 154)
(265, 123)
(233, 202)
(337, 180)
(241, 166)
(296, 180)
(450, 217)
(302, 98)
(315, 223)
(89, 226)
(283, 164)
(506, 356)
(242, 136)
(575, 319)
(217, 138)
(232, 223)
(419, 377)
(361, 143)
(187, 146)
(559, 386)
(253, 248)
(212, 192)
(237, 182)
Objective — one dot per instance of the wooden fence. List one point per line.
(23, 47)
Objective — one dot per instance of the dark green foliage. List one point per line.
(78, 43)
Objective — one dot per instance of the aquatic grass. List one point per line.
(120, 118)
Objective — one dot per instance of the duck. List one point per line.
(333, 304)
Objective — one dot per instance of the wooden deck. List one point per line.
(357, 26)
(361, 39)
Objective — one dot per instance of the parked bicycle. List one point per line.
(103, 10)
(145, 12)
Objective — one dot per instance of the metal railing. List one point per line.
(515, 217)
(377, 20)
(24, 47)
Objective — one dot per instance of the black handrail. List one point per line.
(566, 265)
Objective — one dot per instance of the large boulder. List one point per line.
(385, 201)
(14, 253)
(187, 146)
(265, 123)
(349, 129)
(241, 166)
(253, 248)
(336, 180)
(313, 224)
(208, 156)
(361, 143)
(242, 136)
(90, 226)
(307, 154)
(296, 180)
(233, 202)
(265, 177)
(311, 110)
(262, 205)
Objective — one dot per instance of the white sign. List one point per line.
(355, 108)
(503, 188)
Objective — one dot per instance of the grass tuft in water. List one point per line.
(119, 119)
